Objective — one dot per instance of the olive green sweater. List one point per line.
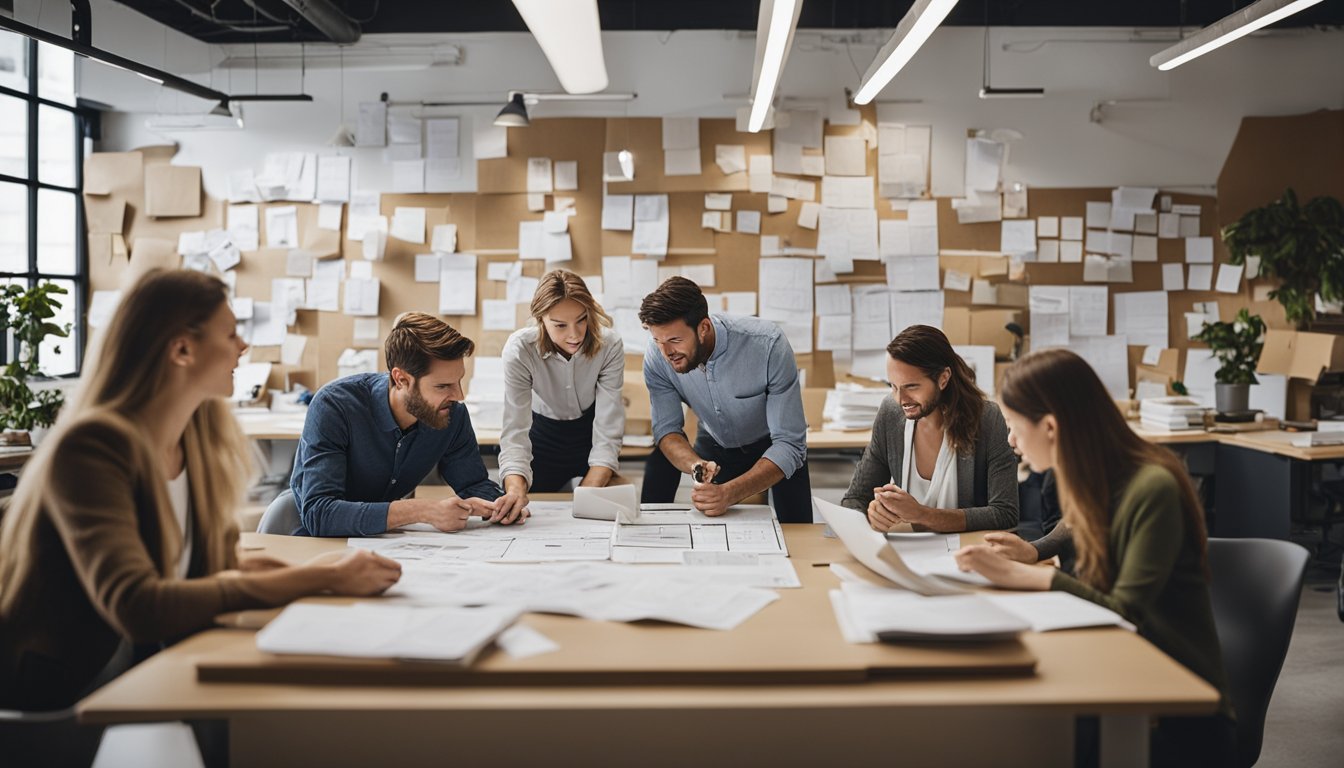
(1160, 583)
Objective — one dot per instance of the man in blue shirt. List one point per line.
(739, 376)
(370, 438)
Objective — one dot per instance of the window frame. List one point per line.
(33, 275)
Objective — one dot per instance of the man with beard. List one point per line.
(370, 438)
(739, 376)
(939, 459)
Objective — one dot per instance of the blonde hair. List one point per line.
(126, 376)
(556, 286)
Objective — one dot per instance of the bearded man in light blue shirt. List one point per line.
(739, 376)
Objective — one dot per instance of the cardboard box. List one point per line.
(172, 190)
(1301, 355)
(987, 329)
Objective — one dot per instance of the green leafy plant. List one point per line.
(1300, 245)
(26, 317)
(1236, 345)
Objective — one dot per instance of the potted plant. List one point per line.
(1237, 346)
(26, 318)
(1300, 245)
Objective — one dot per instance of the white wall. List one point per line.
(1176, 136)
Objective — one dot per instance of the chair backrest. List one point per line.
(1256, 585)
(282, 516)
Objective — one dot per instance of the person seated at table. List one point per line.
(370, 438)
(939, 456)
(564, 416)
(121, 531)
(1050, 538)
(740, 377)
(1138, 528)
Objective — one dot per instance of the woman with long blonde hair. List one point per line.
(121, 530)
(563, 412)
(1137, 526)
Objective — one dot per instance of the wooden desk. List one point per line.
(1263, 479)
(14, 460)
(1016, 720)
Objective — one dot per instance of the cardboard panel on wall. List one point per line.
(1272, 154)
(579, 139)
(643, 138)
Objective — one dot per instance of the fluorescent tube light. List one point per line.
(915, 28)
(1232, 27)
(570, 34)
(774, 37)
(990, 92)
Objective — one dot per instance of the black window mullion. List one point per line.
(81, 248)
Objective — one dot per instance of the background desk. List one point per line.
(1018, 720)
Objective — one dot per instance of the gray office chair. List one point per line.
(1256, 585)
(47, 738)
(282, 516)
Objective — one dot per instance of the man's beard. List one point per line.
(697, 357)
(925, 410)
(424, 413)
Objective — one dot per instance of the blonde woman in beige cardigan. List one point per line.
(121, 530)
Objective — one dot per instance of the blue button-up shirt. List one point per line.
(747, 390)
(353, 460)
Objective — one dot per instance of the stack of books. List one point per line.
(1171, 413)
(852, 407)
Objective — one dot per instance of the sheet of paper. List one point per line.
(651, 225)
(361, 270)
(298, 263)
(1145, 248)
(1141, 317)
(441, 137)
(749, 222)
(1018, 236)
(1199, 250)
(457, 284)
(368, 330)
(681, 133)
(333, 178)
(1070, 251)
(1088, 310)
(1047, 251)
(1168, 226)
(408, 176)
(282, 227)
(731, 158)
(1200, 278)
(371, 130)
(427, 268)
(760, 173)
(1071, 228)
(920, 308)
(848, 234)
(1109, 357)
(243, 229)
(956, 281)
(1229, 278)
(489, 141)
(835, 333)
(618, 212)
(786, 288)
(912, 273)
(787, 156)
(1047, 226)
(1173, 277)
(291, 351)
(361, 297)
(539, 179)
(846, 156)
(984, 164)
(681, 162)
(1098, 215)
(847, 192)
(808, 215)
(719, 201)
(408, 224)
(1189, 226)
(531, 246)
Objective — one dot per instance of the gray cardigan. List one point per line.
(986, 479)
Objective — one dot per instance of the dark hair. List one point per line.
(417, 337)
(1096, 453)
(962, 402)
(677, 298)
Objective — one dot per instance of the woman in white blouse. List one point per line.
(563, 413)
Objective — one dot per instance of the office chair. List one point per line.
(49, 737)
(282, 516)
(1256, 585)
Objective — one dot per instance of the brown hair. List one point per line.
(556, 286)
(418, 337)
(677, 298)
(126, 376)
(1096, 453)
(962, 402)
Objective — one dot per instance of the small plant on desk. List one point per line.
(26, 315)
(1237, 346)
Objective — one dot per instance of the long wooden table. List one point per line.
(913, 704)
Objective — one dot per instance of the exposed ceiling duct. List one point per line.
(328, 19)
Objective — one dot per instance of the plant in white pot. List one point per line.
(26, 316)
(1237, 346)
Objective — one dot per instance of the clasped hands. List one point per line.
(451, 514)
(893, 506)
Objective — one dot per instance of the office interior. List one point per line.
(142, 133)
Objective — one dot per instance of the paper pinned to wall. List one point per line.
(618, 212)
(1098, 215)
(282, 227)
(408, 176)
(365, 211)
(1018, 236)
(530, 244)
(1199, 250)
(1189, 226)
(922, 308)
(719, 201)
(498, 315)
(441, 137)
(489, 141)
(539, 175)
(785, 288)
(731, 158)
(833, 300)
(368, 330)
(1145, 248)
(848, 235)
(444, 239)
(1168, 226)
(760, 173)
(912, 273)
(984, 165)
(333, 178)
(457, 284)
(1047, 226)
(1229, 278)
(371, 130)
(329, 217)
(242, 226)
(1070, 251)
(1109, 358)
(808, 215)
(1071, 228)
(835, 333)
(1173, 277)
(846, 156)
(749, 222)
(956, 281)
(427, 268)
(1141, 317)
(847, 192)
(408, 224)
(681, 162)
(361, 297)
(1088, 310)
(651, 225)
(291, 349)
(1047, 251)
(298, 263)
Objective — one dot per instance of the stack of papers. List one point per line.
(852, 408)
(1171, 413)
(1327, 433)
(451, 635)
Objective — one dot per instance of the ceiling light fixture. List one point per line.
(913, 31)
(774, 37)
(570, 34)
(1232, 27)
(988, 91)
(514, 114)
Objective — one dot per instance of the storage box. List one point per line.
(1301, 355)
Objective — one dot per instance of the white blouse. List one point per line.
(561, 389)
(179, 493)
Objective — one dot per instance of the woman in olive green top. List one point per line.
(1137, 526)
